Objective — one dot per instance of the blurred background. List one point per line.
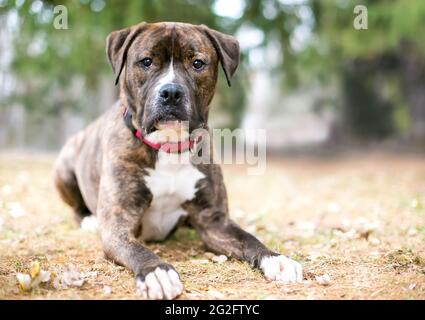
(307, 75)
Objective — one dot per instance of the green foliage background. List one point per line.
(380, 91)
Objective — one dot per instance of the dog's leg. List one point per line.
(66, 182)
(119, 212)
(155, 279)
(222, 235)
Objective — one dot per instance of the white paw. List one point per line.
(281, 268)
(159, 284)
(89, 223)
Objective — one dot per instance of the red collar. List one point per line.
(168, 147)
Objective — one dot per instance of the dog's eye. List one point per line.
(198, 64)
(146, 62)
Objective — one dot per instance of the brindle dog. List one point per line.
(166, 72)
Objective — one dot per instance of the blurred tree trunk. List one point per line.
(413, 75)
(365, 113)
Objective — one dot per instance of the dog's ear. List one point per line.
(117, 44)
(227, 48)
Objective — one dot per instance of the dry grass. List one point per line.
(360, 219)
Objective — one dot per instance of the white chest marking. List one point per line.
(172, 182)
(167, 77)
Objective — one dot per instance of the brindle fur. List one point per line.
(101, 169)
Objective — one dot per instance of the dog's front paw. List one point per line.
(161, 283)
(281, 268)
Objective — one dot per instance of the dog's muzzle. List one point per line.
(171, 94)
(170, 104)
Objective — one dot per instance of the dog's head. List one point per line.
(168, 71)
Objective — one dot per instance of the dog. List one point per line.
(120, 170)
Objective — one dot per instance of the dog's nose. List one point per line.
(171, 93)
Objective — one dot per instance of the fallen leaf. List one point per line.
(107, 290)
(351, 234)
(412, 232)
(324, 280)
(39, 230)
(374, 241)
(219, 259)
(333, 207)
(57, 284)
(307, 228)
(6, 190)
(412, 286)
(307, 282)
(364, 225)
(16, 210)
(43, 276)
(313, 256)
(24, 281)
(216, 294)
(71, 278)
(36, 276)
(416, 204)
(34, 269)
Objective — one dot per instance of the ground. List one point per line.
(359, 219)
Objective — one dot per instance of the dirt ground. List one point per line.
(358, 219)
